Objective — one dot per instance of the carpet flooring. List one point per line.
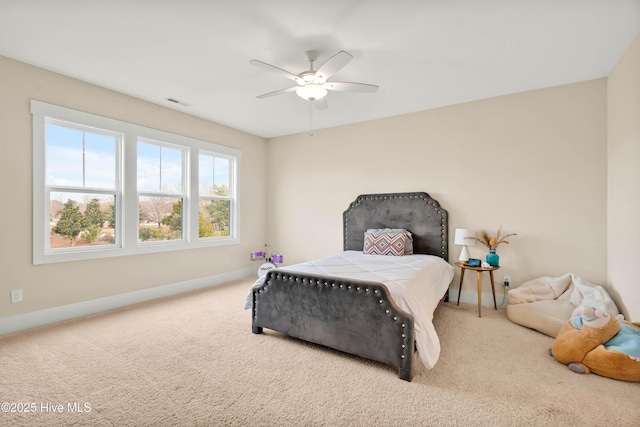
(191, 360)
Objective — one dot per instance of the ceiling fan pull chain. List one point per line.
(310, 117)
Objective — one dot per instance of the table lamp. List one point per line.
(464, 238)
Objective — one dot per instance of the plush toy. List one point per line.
(595, 341)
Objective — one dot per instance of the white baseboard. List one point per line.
(57, 314)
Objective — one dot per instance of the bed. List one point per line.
(374, 306)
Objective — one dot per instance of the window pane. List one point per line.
(159, 168)
(160, 218)
(64, 156)
(214, 218)
(221, 176)
(77, 158)
(148, 167)
(171, 170)
(214, 175)
(100, 160)
(205, 174)
(81, 219)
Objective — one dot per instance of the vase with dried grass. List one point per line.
(492, 242)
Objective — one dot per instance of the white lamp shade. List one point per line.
(464, 238)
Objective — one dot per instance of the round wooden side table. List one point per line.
(479, 270)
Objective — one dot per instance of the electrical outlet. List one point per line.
(16, 295)
(506, 281)
(226, 261)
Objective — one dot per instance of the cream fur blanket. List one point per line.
(546, 303)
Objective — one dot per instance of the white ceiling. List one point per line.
(422, 53)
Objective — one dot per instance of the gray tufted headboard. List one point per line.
(416, 212)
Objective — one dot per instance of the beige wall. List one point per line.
(46, 286)
(624, 181)
(533, 162)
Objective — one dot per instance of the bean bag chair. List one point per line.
(547, 303)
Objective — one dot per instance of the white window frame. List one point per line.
(231, 197)
(48, 189)
(127, 210)
(183, 194)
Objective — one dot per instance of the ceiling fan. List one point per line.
(313, 85)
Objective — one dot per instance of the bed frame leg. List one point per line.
(256, 329)
(405, 374)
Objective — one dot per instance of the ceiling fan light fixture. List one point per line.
(311, 92)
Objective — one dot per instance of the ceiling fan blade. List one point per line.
(277, 70)
(350, 87)
(321, 104)
(277, 92)
(332, 66)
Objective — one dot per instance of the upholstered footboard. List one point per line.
(357, 317)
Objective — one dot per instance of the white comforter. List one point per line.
(416, 284)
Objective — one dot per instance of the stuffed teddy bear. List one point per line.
(595, 341)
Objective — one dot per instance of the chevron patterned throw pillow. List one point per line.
(408, 243)
(384, 243)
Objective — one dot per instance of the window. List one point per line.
(160, 191)
(103, 188)
(215, 189)
(81, 189)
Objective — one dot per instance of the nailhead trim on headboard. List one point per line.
(430, 202)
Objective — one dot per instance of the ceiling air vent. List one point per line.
(175, 101)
